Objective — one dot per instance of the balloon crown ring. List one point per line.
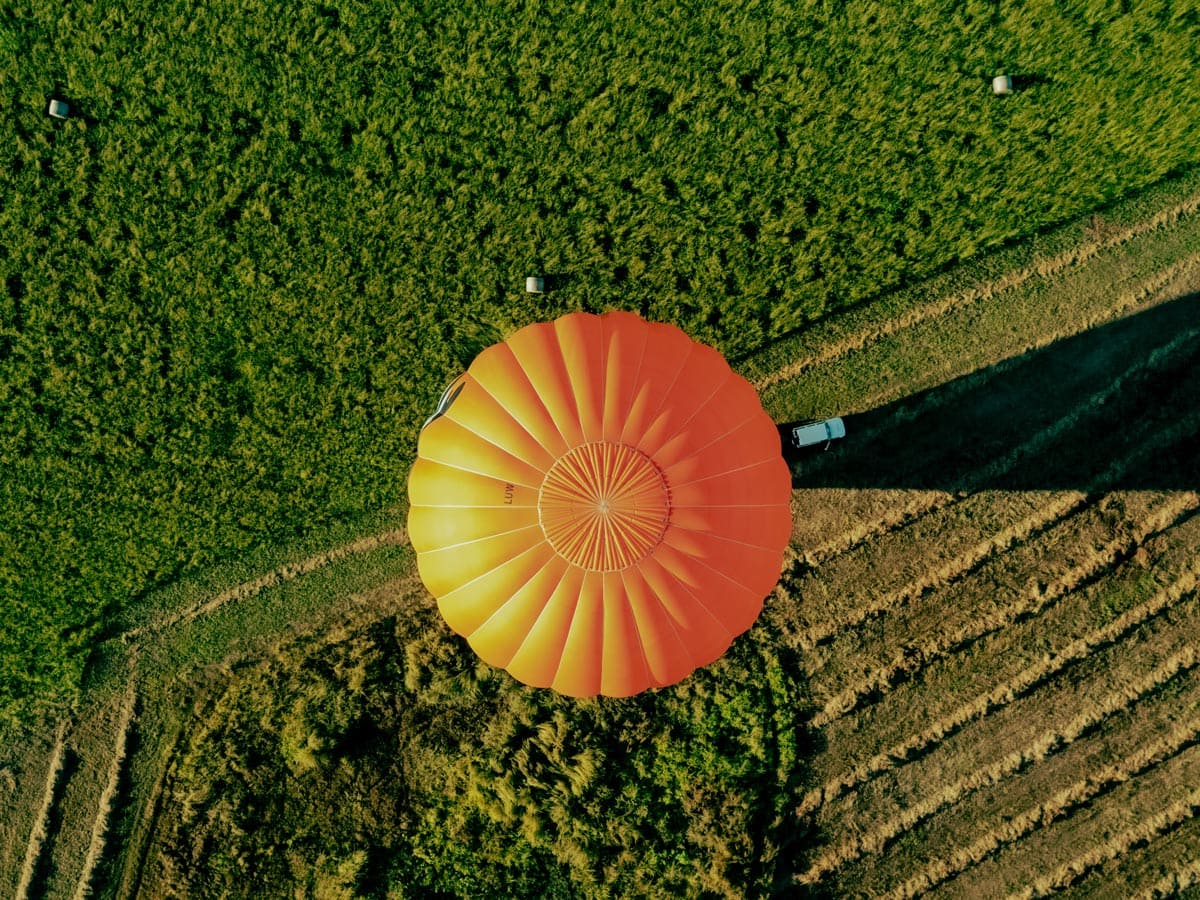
(604, 506)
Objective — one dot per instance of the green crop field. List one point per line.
(236, 278)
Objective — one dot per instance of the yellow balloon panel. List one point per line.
(435, 484)
(623, 668)
(434, 527)
(480, 413)
(536, 348)
(498, 638)
(446, 569)
(536, 661)
(498, 372)
(447, 442)
(472, 603)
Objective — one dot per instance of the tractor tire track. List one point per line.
(100, 825)
(287, 572)
(40, 830)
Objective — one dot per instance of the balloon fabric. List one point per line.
(599, 505)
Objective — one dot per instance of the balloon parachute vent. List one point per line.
(604, 506)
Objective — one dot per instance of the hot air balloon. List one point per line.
(599, 505)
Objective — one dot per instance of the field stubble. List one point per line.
(1111, 627)
(1021, 782)
(1014, 622)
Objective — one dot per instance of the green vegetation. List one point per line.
(454, 779)
(235, 280)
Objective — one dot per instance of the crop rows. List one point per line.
(1174, 883)
(895, 515)
(919, 816)
(1163, 514)
(1025, 760)
(1060, 805)
(864, 602)
(1045, 668)
(1165, 867)
(896, 662)
(1159, 800)
(1160, 518)
(964, 643)
(108, 795)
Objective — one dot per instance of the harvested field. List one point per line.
(1001, 622)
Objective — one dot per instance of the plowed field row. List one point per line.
(39, 833)
(953, 620)
(866, 583)
(1002, 637)
(1121, 724)
(897, 568)
(104, 805)
(1019, 641)
(1160, 763)
(1176, 882)
(893, 515)
(1165, 867)
(1130, 807)
(1042, 664)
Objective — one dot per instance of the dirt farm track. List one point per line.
(992, 588)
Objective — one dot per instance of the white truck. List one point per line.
(825, 432)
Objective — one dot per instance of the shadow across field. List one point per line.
(1090, 406)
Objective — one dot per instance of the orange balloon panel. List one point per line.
(602, 507)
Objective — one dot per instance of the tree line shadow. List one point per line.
(1113, 403)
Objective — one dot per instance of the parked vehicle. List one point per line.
(824, 432)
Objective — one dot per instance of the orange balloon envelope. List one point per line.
(599, 505)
